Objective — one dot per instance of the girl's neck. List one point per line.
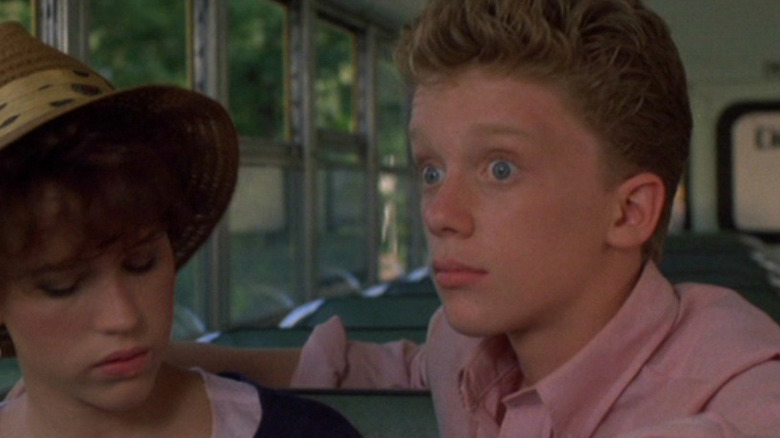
(177, 406)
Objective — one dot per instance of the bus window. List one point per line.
(262, 227)
(139, 42)
(679, 219)
(342, 231)
(395, 182)
(16, 10)
(258, 88)
(335, 81)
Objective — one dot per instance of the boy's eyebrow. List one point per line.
(499, 128)
(484, 127)
(481, 128)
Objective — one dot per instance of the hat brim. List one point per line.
(209, 138)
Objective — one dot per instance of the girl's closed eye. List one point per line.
(141, 263)
(59, 288)
(143, 256)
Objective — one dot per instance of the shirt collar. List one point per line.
(596, 375)
(493, 366)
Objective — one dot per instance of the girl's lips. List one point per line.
(125, 363)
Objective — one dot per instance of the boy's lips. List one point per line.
(450, 274)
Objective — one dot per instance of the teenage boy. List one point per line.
(550, 136)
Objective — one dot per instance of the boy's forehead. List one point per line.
(490, 101)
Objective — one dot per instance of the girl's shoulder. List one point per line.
(10, 426)
(286, 414)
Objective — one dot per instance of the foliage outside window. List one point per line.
(257, 36)
(335, 83)
(16, 10)
(391, 110)
(394, 183)
(139, 42)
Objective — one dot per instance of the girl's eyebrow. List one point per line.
(74, 261)
(64, 264)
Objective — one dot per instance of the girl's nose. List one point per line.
(117, 310)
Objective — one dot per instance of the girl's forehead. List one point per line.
(57, 246)
(71, 246)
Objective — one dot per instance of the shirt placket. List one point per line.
(526, 417)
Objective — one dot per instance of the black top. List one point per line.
(290, 416)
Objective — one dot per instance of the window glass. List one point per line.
(16, 10)
(139, 42)
(257, 42)
(394, 183)
(263, 222)
(342, 231)
(335, 82)
(391, 111)
(679, 220)
(395, 236)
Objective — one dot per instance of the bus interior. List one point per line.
(324, 219)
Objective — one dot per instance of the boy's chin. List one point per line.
(472, 323)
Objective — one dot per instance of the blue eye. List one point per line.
(431, 175)
(501, 170)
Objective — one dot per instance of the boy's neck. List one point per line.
(544, 348)
(178, 406)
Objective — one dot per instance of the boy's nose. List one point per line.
(448, 211)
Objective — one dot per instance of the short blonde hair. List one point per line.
(614, 60)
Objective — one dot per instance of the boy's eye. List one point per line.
(431, 175)
(501, 170)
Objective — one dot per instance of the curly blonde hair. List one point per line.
(613, 60)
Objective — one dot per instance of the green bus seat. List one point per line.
(387, 311)
(272, 337)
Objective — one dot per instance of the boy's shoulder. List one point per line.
(717, 332)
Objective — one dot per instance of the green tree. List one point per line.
(257, 68)
(140, 41)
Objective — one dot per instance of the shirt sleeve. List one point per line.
(747, 406)
(330, 360)
(750, 401)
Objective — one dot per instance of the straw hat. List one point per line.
(39, 84)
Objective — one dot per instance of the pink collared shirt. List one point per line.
(675, 362)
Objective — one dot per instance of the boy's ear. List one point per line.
(638, 207)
